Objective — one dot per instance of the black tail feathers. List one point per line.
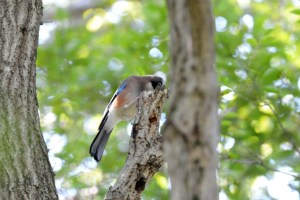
(99, 143)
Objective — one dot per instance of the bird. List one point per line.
(122, 106)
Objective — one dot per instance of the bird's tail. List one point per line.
(99, 143)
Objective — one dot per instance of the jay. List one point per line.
(122, 106)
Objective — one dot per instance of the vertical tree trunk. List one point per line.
(191, 130)
(25, 171)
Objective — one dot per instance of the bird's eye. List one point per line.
(159, 84)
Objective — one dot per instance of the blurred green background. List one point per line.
(91, 46)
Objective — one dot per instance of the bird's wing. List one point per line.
(118, 92)
(101, 138)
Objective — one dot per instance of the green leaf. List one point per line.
(224, 92)
(296, 11)
(267, 40)
(271, 74)
(234, 156)
(231, 115)
(268, 32)
(226, 122)
(252, 42)
(270, 88)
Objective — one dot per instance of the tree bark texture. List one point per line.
(191, 129)
(25, 171)
(145, 156)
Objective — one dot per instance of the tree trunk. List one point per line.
(145, 156)
(25, 171)
(191, 130)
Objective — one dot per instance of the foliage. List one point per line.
(91, 49)
(257, 60)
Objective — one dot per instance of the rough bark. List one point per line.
(191, 129)
(25, 171)
(145, 155)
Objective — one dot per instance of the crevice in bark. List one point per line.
(140, 185)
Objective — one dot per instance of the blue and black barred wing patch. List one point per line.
(121, 88)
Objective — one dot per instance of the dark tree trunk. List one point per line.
(25, 171)
(191, 130)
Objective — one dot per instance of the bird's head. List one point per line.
(156, 81)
